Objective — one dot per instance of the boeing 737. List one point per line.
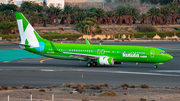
(93, 54)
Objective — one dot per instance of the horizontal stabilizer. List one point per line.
(21, 44)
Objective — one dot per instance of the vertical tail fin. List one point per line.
(27, 33)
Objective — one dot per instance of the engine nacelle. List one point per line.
(105, 61)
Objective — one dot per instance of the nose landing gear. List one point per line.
(156, 64)
(155, 67)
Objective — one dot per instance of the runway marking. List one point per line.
(16, 49)
(167, 71)
(32, 59)
(126, 72)
(27, 61)
(167, 48)
(171, 49)
(47, 70)
(5, 61)
(45, 60)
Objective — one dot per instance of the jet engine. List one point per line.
(105, 61)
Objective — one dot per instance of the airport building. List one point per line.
(86, 3)
(5, 1)
(107, 5)
(19, 2)
(56, 3)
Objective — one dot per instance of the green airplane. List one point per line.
(94, 54)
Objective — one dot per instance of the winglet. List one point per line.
(87, 42)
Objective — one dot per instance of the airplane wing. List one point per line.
(83, 56)
(77, 55)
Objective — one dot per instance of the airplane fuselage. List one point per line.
(119, 53)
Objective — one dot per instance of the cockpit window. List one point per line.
(162, 53)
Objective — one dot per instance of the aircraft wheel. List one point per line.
(88, 64)
(155, 66)
(94, 64)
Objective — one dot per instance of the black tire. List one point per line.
(88, 64)
(155, 66)
(94, 64)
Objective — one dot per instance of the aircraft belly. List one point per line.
(132, 59)
(61, 56)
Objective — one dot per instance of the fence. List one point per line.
(31, 98)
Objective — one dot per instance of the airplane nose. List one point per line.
(169, 57)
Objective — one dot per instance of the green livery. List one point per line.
(94, 54)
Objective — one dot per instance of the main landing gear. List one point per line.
(91, 64)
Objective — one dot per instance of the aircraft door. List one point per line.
(152, 53)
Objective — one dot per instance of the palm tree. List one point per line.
(144, 17)
(32, 7)
(10, 7)
(173, 10)
(120, 12)
(57, 11)
(43, 18)
(89, 26)
(26, 6)
(153, 13)
(98, 14)
(51, 11)
(165, 12)
(131, 12)
(38, 8)
(178, 13)
(62, 17)
(109, 15)
(67, 12)
(33, 18)
(80, 15)
(7, 15)
(90, 12)
(4, 15)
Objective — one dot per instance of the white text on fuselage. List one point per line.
(130, 55)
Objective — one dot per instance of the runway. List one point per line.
(43, 71)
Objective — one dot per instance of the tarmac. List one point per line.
(43, 71)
